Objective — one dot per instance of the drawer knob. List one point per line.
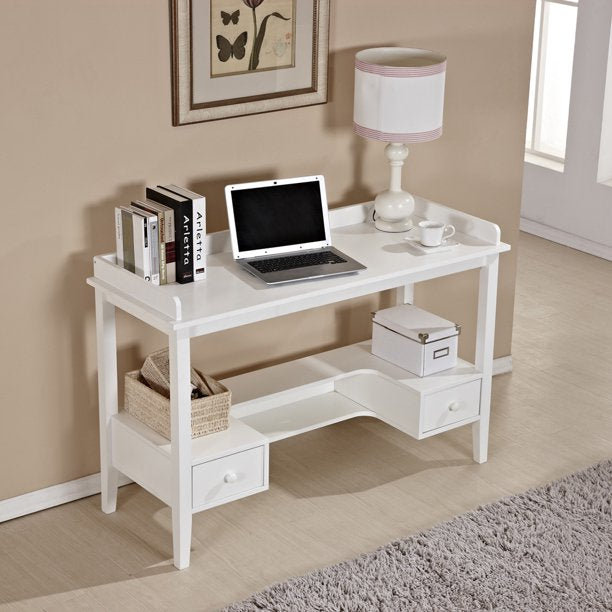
(454, 406)
(230, 477)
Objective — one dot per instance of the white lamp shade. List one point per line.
(399, 94)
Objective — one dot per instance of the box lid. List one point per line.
(416, 323)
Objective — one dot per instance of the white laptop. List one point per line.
(280, 230)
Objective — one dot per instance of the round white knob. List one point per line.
(230, 477)
(454, 406)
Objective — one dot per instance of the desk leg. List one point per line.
(485, 336)
(404, 295)
(107, 397)
(180, 426)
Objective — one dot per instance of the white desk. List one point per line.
(294, 397)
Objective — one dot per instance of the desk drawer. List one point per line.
(451, 405)
(228, 478)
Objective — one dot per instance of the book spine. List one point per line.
(140, 256)
(118, 237)
(161, 247)
(182, 234)
(170, 247)
(184, 242)
(127, 223)
(199, 238)
(153, 233)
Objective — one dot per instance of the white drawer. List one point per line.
(229, 478)
(451, 405)
(415, 412)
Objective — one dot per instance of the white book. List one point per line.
(152, 237)
(141, 258)
(199, 229)
(199, 239)
(143, 243)
(118, 237)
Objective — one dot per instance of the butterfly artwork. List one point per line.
(250, 35)
(227, 49)
(226, 18)
(239, 57)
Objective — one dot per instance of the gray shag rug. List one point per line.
(547, 549)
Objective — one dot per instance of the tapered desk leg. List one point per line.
(180, 421)
(485, 336)
(107, 397)
(404, 295)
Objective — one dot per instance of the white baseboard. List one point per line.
(52, 496)
(502, 365)
(56, 495)
(565, 238)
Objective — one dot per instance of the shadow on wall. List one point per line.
(214, 190)
(339, 116)
(78, 309)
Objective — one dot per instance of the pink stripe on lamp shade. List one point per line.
(399, 71)
(399, 94)
(395, 136)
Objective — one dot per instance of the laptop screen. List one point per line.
(278, 215)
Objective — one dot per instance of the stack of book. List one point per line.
(161, 239)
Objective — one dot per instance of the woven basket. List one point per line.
(156, 372)
(208, 414)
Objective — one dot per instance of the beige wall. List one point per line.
(85, 124)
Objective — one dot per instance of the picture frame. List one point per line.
(232, 58)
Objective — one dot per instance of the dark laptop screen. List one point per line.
(278, 215)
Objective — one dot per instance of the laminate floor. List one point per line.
(346, 489)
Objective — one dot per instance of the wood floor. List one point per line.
(346, 489)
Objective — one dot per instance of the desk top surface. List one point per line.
(230, 296)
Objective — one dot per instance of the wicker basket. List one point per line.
(208, 414)
(156, 372)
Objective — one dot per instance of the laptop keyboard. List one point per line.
(289, 262)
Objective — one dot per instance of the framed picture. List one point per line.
(240, 57)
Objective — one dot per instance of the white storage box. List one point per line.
(414, 339)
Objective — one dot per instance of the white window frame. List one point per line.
(537, 86)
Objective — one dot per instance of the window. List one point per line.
(551, 77)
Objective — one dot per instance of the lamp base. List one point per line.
(393, 226)
(393, 209)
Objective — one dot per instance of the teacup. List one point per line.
(434, 233)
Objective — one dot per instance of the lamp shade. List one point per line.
(399, 94)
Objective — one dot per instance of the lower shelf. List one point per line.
(304, 415)
(302, 395)
(293, 398)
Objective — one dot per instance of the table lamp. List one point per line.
(399, 98)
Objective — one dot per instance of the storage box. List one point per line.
(414, 339)
(208, 414)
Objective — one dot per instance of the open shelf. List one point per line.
(302, 395)
(237, 437)
(305, 415)
(314, 375)
(298, 396)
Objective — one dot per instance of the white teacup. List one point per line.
(434, 233)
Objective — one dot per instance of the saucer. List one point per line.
(446, 245)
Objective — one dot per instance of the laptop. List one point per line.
(280, 230)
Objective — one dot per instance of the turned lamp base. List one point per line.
(393, 208)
